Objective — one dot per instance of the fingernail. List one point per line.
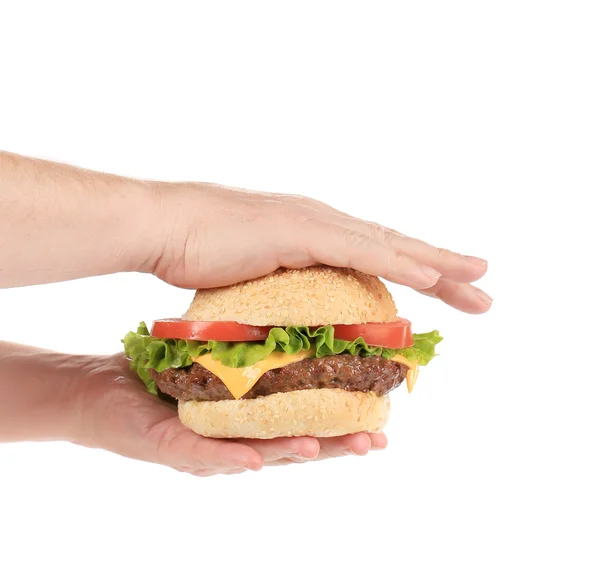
(483, 296)
(476, 261)
(377, 447)
(430, 272)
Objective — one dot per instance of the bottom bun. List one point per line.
(307, 412)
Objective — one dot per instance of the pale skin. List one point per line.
(69, 223)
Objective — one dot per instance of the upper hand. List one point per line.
(214, 236)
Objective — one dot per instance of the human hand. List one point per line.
(213, 236)
(199, 235)
(114, 412)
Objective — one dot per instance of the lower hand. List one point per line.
(114, 412)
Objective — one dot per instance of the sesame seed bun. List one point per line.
(309, 412)
(292, 297)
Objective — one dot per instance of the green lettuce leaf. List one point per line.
(147, 352)
(423, 348)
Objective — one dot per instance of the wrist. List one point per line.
(137, 212)
(162, 226)
(145, 230)
(38, 399)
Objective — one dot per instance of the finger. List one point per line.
(338, 246)
(379, 440)
(350, 444)
(451, 265)
(462, 296)
(339, 446)
(302, 447)
(213, 472)
(176, 445)
(210, 472)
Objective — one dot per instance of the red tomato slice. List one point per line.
(393, 335)
(219, 331)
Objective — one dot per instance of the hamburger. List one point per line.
(299, 352)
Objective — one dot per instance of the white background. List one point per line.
(474, 125)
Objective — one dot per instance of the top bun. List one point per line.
(311, 296)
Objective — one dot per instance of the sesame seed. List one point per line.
(300, 296)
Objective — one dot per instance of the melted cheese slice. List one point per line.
(240, 380)
(413, 370)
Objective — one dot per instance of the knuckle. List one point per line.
(382, 233)
(356, 239)
(378, 231)
(443, 254)
(286, 203)
(292, 198)
(298, 200)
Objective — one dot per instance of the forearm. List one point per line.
(59, 222)
(38, 399)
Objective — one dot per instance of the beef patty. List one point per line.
(337, 371)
